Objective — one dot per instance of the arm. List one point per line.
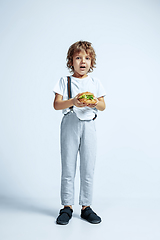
(60, 104)
(100, 105)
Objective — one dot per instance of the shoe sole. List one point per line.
(62, 223)
(94, 222)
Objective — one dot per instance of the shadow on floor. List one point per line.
(76, 215)
(28, 205)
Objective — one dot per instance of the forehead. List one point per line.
(81, 52)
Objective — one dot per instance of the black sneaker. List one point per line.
(90, 216)
(65, 215)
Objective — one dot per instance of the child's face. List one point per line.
(81, 64)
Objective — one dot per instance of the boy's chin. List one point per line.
(80, 74)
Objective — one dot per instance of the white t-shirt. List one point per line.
(78, 85)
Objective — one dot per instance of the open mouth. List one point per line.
(82, 67)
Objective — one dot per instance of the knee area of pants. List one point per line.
(88, 178)
(67, 178)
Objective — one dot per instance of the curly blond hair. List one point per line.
(77, 47)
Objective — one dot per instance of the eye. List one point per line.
(77, 57)
(88, 58)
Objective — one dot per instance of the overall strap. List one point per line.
(69, 90)
(95, 117)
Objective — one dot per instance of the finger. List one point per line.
(80, 103)
(91, 105)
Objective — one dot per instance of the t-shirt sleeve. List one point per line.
(100, 89)
(59, 87)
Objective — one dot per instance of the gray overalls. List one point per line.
(77, 135)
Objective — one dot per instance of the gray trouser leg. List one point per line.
(77, 135)
(69, 150)
(87, 162)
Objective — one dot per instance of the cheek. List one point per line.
(89, 63)
(74, 63)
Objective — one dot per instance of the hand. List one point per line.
(93, 105)
(78, 103)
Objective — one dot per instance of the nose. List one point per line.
(83, 59)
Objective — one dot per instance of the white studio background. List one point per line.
(35, 37)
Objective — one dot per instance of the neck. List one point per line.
(76, 75)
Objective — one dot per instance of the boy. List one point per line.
(78, 131)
